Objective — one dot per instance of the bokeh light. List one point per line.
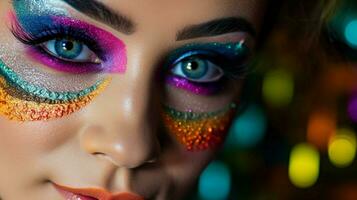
(278, 88)
(352, 108)
(321, 126)
(249, 128)
(304, 165)
(215, 182)
(351, 33)
(342, 148)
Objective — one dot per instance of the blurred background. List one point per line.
(295, 134)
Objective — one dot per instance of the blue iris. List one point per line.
(68, 49)
(195, 68)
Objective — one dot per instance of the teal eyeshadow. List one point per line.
(230, 50)
(192, 116)
(15, 80)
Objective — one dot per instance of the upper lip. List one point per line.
(99, 193)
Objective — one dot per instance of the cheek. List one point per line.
(25, 148)
(185, 173)
(31, 141)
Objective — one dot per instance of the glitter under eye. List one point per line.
(199, 131)
(14, 79)
(22, 101)
(21, 110)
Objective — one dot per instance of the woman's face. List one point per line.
(117, 96)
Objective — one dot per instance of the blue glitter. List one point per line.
(34, 14)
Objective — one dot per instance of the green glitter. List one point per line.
(230, 49)
(15, 80)
(192, 116)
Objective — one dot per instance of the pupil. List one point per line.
(67, 45)
(192, 66)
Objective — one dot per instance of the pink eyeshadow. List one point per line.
(196, 88)
(114, 58)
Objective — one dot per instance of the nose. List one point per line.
(120, 124)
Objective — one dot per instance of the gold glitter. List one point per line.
(21, 110)
(199, 133)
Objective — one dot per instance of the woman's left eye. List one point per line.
(197, 69)
(70, 50)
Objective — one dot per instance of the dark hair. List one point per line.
(273, 8)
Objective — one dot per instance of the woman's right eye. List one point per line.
(70, 50)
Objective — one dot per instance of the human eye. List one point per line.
(71, 50)
(69, 45)
(196, 67)
(205, 68)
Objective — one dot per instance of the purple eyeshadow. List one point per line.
(194, 87)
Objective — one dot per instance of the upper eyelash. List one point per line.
(229, 64)
(230, 67)
(55, 32)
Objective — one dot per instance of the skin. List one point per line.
(116, 141)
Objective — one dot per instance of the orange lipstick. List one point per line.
(94, 194)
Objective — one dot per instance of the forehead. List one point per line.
(178, 13)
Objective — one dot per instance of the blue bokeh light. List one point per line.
(215, 182)
(351, 33)
(249, 128)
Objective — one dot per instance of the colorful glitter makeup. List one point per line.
(15, 80)
(199, 68)
(24, 102)
(110, 50)
(199, 131)
(65, 44)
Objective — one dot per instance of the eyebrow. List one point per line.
(102, 13)
(216, 27)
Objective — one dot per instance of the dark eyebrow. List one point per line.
(216, 27)
(102, 13)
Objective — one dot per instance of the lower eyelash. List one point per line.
(199, 131)
(41, 55)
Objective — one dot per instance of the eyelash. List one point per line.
(233, 63)
(59, 31)
(233, 66)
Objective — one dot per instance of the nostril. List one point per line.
(98, 154)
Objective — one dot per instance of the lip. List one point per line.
(93, 194)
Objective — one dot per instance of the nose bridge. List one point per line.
(119, 123)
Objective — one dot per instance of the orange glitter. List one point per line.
(201, 132)
(21, 110)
